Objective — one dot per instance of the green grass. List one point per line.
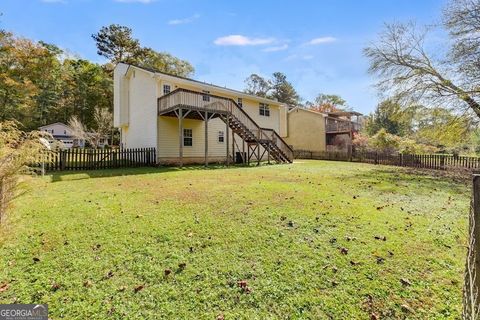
(99, 235)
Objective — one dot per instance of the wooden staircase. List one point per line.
(204, 106)
(252, 140)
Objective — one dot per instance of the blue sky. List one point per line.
(317, 44)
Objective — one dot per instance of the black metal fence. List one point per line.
(428, 161)
(91, 159)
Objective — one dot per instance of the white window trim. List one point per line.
(221, 134)
(183, 137)
(265, 108)
(163, 88)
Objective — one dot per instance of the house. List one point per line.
(63, 133)
(306, 129)
(315, 131)
(189, 121)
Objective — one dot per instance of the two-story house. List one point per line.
(189, 121)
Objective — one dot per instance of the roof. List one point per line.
(241, 94)
(55, 123)
(344, 113)
(307, 110)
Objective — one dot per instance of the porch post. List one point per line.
(268, 153)
(180, 137)
(206, 138)
(258, 153)
(228, 140)
(243, 152)
(233, 147)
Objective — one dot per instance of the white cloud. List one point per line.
(321, 40)
(299, 57)
(277, 48)
(184, 21)
(133, 1)
(239, 40)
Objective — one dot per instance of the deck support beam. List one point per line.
(258, 153)
(228, 138)
(206, 138)
(180, 137)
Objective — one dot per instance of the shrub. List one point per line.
(17, 150)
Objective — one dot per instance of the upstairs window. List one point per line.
(240, 102)
(206, 96)
(264, 110)
(166, 88)
(221, 136)
(187, 137)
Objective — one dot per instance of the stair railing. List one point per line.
(212, 103)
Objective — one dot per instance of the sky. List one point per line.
(317, 44)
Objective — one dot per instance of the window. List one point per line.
(166, 88)
(206, 97)
(53, 131)
(264, 110)
(221, 136)
(187, 137)
(240, 102)
(64, 131)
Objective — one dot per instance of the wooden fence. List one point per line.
(428, 161)
(91, 159)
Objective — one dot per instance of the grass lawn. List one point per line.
(311, 240)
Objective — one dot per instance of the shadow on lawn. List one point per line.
(105, 173)
(423, 178)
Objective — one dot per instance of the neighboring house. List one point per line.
(189, 121)
(63, 133)
(315, 131)
(306, 130)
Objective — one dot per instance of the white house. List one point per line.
(63, 133)
(189, 121)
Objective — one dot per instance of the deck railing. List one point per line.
(338, 125)
(211, 103)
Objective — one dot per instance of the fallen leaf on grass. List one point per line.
(87, 284)
(55, 286)
(167, 272)
(343, 250)
(405, 307)
(4, 287)
(138, 288)
(405, 282)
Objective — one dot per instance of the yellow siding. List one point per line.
(306, 130)
(168, 138)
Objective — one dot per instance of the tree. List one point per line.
(165, 62)
(277, 88)
(115, 42)
(408, 70)
(257, 85)
(327, 103)
(283, 91)
(93, 135)
(390, 116)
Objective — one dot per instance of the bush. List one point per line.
(385, 142)
(17, 150)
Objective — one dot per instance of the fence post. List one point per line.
(472, 267)
(376, 157)
(62, 159)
